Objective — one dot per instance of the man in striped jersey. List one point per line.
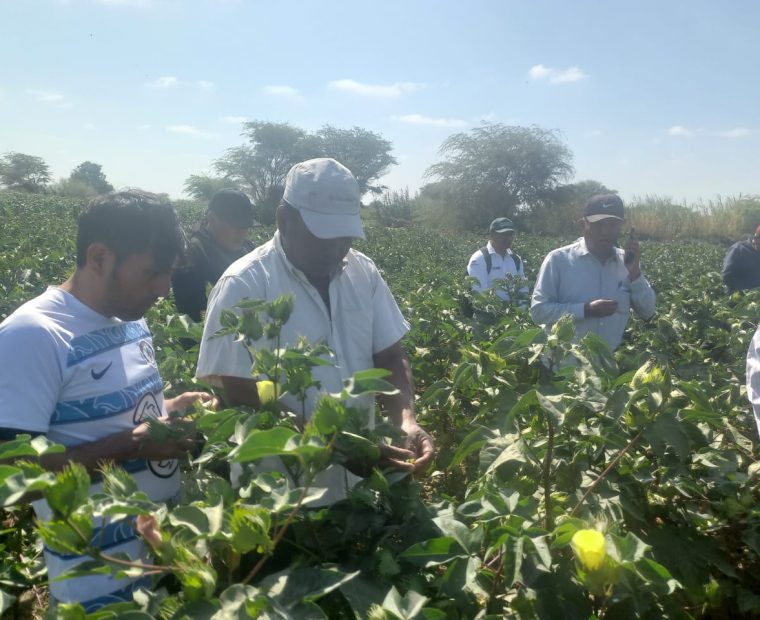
(79, 367)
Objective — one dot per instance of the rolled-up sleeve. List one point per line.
(223, 356)
(643, 298)
(545, 309)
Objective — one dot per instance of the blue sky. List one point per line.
(652, 97)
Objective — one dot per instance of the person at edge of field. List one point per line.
(592, 280)
(502, 261)
(753, 376)
(79, 367)
(219, 240)
(340, 299)
(741, 267)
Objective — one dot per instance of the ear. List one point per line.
(100, 258)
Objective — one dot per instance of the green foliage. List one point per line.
(22, 172)
(653, 447)
(495, 170)
(202, 187)
(91, 175)
(260, 166)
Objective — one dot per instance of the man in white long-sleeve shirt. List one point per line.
(592, 280)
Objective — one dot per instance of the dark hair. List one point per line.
(131, 221)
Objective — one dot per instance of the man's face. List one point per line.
(502, 241)
(230, 237)
(133, 285)
(602, 236)
(755, 240)
(314, 256)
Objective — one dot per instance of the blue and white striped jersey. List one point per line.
(78, 376)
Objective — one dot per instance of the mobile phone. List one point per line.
(629, 257)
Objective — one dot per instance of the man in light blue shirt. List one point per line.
(593, 280)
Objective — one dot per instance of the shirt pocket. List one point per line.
(623, 299)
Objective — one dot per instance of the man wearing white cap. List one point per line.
(340, 299)
(593, 280)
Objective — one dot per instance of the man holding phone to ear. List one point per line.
(592, 279)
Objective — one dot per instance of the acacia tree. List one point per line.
(497, 169)
(19, 171)
(365, 153)
(259, 167)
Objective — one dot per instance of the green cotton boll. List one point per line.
(281, 308)
(564, 329)
(650, 375)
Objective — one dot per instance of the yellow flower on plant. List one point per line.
(267, 391)
(589, 548)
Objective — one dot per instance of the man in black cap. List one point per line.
(219, 241)
(593, 280)
(492, 264)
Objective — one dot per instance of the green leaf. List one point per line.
(469, 539)
(259, 444)
(329, 415)
(294, 586)
(6, 600)
(250, 529)
(433, 552)
(70, 490)
(405, 607)
(369, 381)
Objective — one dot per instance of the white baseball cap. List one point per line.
(326, 195)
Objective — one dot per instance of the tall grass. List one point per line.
(722, 220)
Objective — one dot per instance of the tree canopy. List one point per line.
(260, 166)
(91, 174)
(203, 187)
(496, 170)
(28, 173)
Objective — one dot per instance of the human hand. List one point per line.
(633, 257)
(184, 401)
(421, 444)
(599, 308)
(163, 439)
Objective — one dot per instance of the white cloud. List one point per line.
(204, 84)
(539, 72)
(144, 127)
(52, 98)
(374, 90)
(233, 120)
(419, 119)
(44, 96)
(188, 130)
(285, 92)
(556, 76)
(167, 81)
(736, 132)
(679, 131)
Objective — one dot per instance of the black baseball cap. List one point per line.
(233, 207)
(500, 225)
(603, 206)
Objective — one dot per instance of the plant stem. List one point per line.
(548, 457)
(607, 470)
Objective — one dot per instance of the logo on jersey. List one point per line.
(99, 375)
(148, 408)
(146, 350)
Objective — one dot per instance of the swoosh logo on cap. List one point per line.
(99, 375)
(606, 206)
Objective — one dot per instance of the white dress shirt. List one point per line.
(571, 276)
(753, 376)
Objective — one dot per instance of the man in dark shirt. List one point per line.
(220, 239)
(741, 267)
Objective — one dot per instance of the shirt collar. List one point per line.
(491, 249)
